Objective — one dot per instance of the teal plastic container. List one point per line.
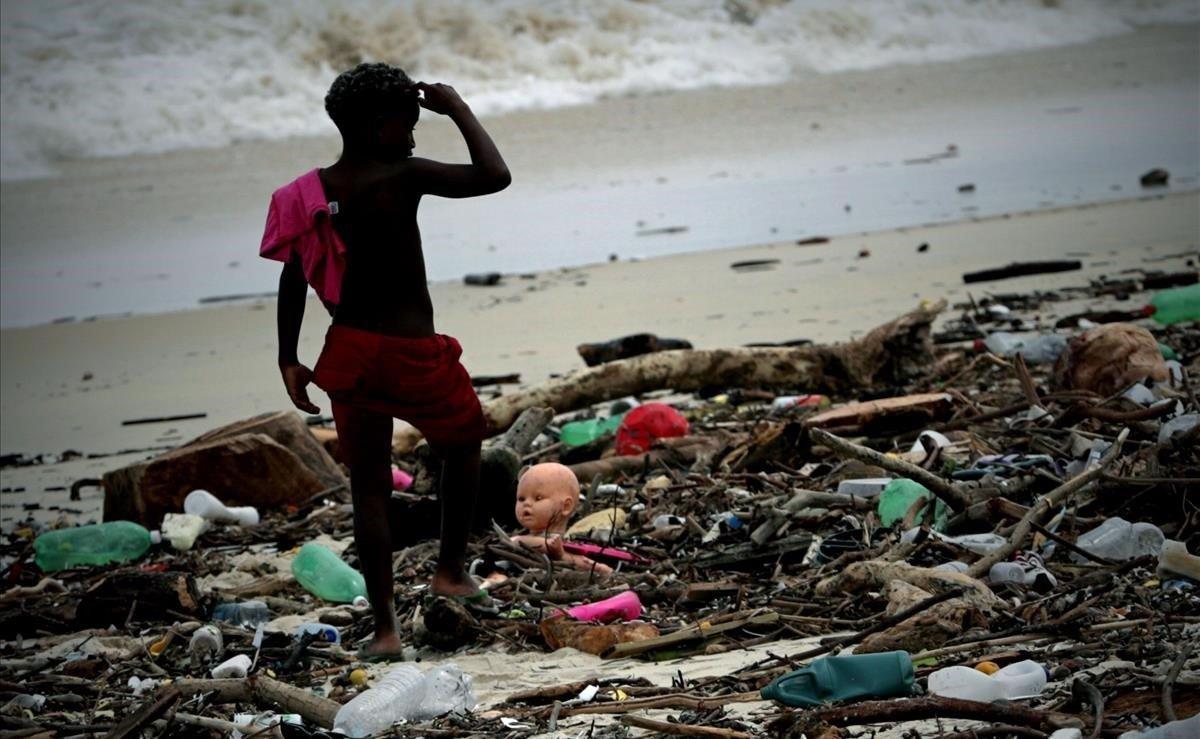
(1177, 305)
(95, 544)
(578, 433)
(326, 576)
(900, 495)
(828, 679)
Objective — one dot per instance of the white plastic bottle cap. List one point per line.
(360, 602)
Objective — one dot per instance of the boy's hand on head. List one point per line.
(296, 378)
(441, 99)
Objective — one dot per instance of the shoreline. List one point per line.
(840, 154)
(69, 386)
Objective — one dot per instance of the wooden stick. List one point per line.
(1047, 503)
(664, 727)
(676, 700)
(134, 723)
(909, 709)
(952, 496)
(1169, 683)
(267, 692)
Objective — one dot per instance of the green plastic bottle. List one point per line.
(578, 433)
(326, 576)
(94, 544)
(1177, 305)
(900, 495)
(881, 675)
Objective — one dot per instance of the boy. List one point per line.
(350, 231)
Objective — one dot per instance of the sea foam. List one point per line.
(94, 79)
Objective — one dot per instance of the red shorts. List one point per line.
(418, 380)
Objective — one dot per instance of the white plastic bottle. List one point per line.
(1036, 349)
(1024, 679)
(396, 697)
(206, 505)
(233, 667)
(206, 643)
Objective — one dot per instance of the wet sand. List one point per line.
(221, 361)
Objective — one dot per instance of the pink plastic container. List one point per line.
(621, 607)
(401, 480)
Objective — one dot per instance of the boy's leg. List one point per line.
(459, 490)
(365, 444)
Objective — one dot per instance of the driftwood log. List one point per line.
(890, 354)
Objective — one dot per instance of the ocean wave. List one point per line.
(90, 79)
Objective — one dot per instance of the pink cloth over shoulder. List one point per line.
(299, 224)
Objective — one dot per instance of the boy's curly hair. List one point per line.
(362, 95)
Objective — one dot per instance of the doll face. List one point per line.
(547, 495)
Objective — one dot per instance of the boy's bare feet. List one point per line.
(453, 581)
(383, 645)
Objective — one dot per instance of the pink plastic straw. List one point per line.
(624, 606)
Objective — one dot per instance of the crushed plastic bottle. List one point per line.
(1025, 679)
(326, 576)
(1176, 560)
(1188, 728)
(900, 495)
(866, 487)
(1036, 349)
(1028, 569)
(206, 643)
(94, 544)
(247, 614)
(207, 506)
(1120, 540)
(182, 529)
(842, 677)
(405, 694)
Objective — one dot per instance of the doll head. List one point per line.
(547, 496)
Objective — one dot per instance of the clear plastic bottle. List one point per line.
(1120, 540)
(95, 544)
(1188, 728)
(246, 614)
(1024, 679)
(447, 690)
(578, 433)
(209, 507)
(324, 632)
(326, 576)
(1036, 349)
(398, 696)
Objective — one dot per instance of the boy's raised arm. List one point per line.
(487, 173)
(293, 292)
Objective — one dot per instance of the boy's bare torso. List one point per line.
(384, 288)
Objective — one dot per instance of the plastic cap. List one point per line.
(156, 537)
(360, 602)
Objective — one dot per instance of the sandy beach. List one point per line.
(221, 361)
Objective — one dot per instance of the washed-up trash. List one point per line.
(646, 424)
(206, 505)
(624, 606)
(600, 525)
(323, 632)
(844, 677)
(206, 643)
(899, 497)
(237, 666)
(1178, 426)
(578, 433)
(1026, 569)
(867, 487)
(182, 529)
(1036, 349)
(140, 685)
(258, 721)
(1109, 358)
(325, 575)
(1176, 560)
(1188, 728)
(94, 544)
(1025, 679)
(1120, 540)
(783, 402)
(406, 694)
(247, 614)
(401, 480)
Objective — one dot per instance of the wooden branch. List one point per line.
(266, 692)
(675, 700)
(889, 354)
(133, 724)
(664, 727)
(910, 709)
(1168, 707)
(951, 495)
(688, 634)
(1043, 506)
